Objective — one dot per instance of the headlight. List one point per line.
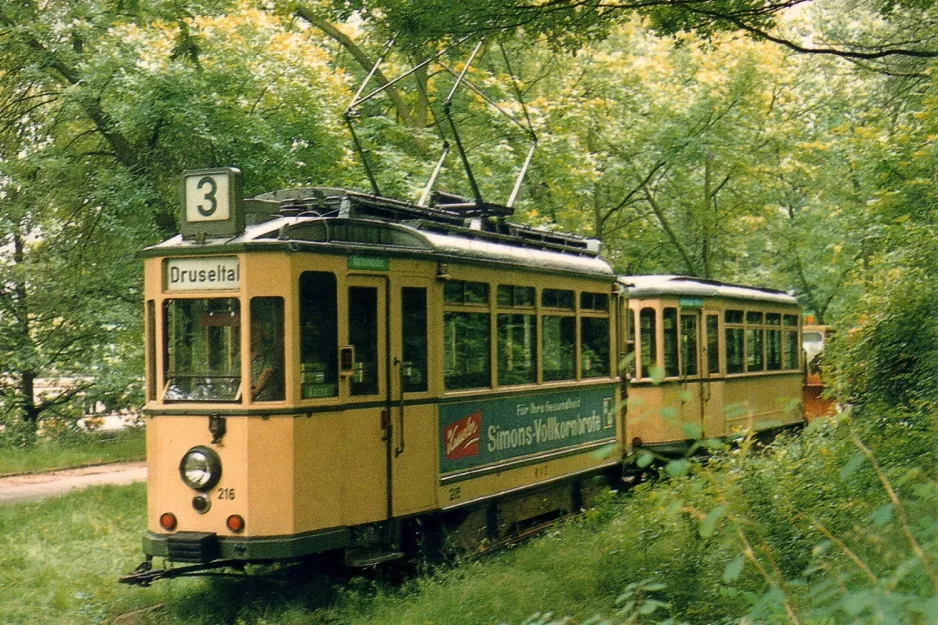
(200, 468)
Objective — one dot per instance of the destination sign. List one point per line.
(218, 273)
(369, 263)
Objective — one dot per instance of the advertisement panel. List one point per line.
(482, 432)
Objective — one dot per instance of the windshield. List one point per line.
(203, 350)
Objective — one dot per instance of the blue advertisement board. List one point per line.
(481, 432)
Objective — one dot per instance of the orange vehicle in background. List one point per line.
(814, 340)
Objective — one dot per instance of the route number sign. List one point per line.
(211, 203)
(207, 197)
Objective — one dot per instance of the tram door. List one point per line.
(714, 421)
(412, 416)
(692, 387)
(363, 369)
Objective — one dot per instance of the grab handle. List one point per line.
(399, 448)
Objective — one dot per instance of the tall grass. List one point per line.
(838, 525)
(59, 559)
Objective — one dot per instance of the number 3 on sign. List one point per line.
(212, 188)
(207, 197)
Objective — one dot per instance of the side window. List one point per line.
(515, 296)
(363, 336)
(267, 349)
(734, 341)
(557, 298)
(465, 350)
(792, 344)
(414, 339)
(713, 344)
(462, 292)
(559, 340)
(517, 335)
(689, 345)
(558, 347)
(594, 354)
(647, 335)
(594, 301)
(466, 335)
(594, 335)
(773, 341)
(517, 349)
(151, 350)
(755, 342)
(319, 335)
(669, 323)
(630, 342)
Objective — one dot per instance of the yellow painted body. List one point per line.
(300, 466)
(666, 410)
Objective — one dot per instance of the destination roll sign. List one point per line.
(211, 203)
(216, 273)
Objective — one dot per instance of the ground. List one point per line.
(19, 488)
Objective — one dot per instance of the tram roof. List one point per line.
(339, 221)
(676, 286)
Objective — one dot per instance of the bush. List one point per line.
(889, 357)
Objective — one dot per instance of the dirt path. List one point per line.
(41, 486)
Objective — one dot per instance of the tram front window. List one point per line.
(203, 349)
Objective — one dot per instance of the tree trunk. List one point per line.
(27, 399)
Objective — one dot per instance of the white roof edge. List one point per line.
(676, 286)
(468, 248)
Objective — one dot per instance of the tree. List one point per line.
(102, 106)
(901, 31)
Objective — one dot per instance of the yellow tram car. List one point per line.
(710, 360)
(327, 371)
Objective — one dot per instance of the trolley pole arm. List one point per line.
(436, 173)
(521, 174)
(361, 153)
(449, 117)
(358, 99)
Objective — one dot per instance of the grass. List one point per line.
(59, 559)
(76, 450)
(836, 526)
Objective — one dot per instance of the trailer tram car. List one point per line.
(814, 340)
(329, 371)
(711, 360)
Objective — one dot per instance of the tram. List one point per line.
(710, 360)
(331, 371)
(815, 339)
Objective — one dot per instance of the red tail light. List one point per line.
(168, 521)
(235, 523)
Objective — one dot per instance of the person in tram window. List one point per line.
(266, 363)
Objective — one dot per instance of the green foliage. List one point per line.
(819, 528)
(102, 106)
(891, 357)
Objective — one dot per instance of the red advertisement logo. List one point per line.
(461, 439)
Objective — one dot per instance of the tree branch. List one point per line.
(666, 225)
(359, 55)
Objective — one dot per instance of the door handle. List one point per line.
(399, 447)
